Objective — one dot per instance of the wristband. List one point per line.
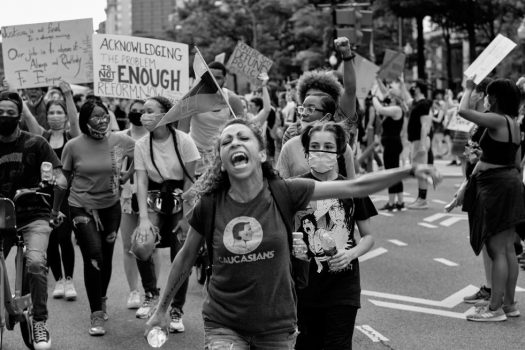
(349, 58)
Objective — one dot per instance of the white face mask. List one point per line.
(322, 161)
(150, 120)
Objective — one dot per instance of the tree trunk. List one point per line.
(448, 46)
(471, 31)
(420, 49)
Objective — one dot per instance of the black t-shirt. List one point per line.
(419, 109)
(338, 217)
(20, 162)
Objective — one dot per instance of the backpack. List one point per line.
(300, 268)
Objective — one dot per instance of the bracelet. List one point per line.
(349, 58)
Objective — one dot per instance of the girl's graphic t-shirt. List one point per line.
(337, 217)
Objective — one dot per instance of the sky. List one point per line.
(13, 12)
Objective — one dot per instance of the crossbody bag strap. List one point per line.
(174, 134)
(153, 157)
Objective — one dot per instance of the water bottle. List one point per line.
(46, 172)
(328, 244)
(157, 337)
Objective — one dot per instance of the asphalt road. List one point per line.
(409, 301)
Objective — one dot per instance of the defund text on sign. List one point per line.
(248, 61)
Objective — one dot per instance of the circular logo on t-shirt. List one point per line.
(242, 235)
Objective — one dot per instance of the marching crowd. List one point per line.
(275, 185)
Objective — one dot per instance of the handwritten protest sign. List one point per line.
(493, 54)
(42, 54)
(138, 68)
(459, 124)
(365, 72)
(393, 65)
(248, 62)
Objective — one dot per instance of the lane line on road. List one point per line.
(423, 310)
(519, 289)
(451, 221)
(385, 214)
(439, 201)
(371, 333)
(449, 302)
(446, 262)
(397, 242)
(438, 216)
(424, 224)
(372, 254)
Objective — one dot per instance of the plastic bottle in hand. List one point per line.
(157, 337)
(328, 244)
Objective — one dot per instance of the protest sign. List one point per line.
(393, 65)
(365, 76)
(493, 54)
(220, 58)
(457, 123)
(138, 68)
(42, 54)
(248, 62)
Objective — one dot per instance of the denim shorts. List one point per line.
(218, 338)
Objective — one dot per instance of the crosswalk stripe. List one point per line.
(445, 262)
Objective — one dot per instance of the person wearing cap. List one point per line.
(21, 155)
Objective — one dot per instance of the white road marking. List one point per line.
(371, 333)
(519, 289)
(372, 254)
(424, 310)
(451, 221)
(449, 302)
(439, 201)
(445, 262)
(439, 216)
(385, 214)
(397, 242)
(424, 224)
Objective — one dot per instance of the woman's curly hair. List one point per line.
(215, 179)
(324, 81)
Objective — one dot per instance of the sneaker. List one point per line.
(485, 314)
(176, 325)
(148, 306)
(133, 300)
(41, 338)
(400, 206)
(104, 309)
(418, 204)
(483, 294)
(59, 290)
(69, 290)
(97, 324)
(511, 310)
(389, 207)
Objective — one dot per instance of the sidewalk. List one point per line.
(447, 170)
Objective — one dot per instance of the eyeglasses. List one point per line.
(99, 119)
(308, 110)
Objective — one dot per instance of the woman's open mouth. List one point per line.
(239, 159)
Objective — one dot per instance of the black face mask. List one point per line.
(134, 118)
(8, 125)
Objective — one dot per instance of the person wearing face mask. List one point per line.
(21, 155)
(327, 308)
(164, 162)
(292, 162)
(92, 162)
(129, 219)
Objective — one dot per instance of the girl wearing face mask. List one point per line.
(333, 292)
(165, 162)
(128, 202)
(92, 162)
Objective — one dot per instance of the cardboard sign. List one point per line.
(248, 62)
(42, 54)
(493, 54)
(459, 124)
(393, 65)
(220, 58)
(138, 68)
(365, 76)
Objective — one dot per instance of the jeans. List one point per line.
(36, 238)
(147, 268)
(61, 251)
(329, 328)
(227, 339)
(97, 249)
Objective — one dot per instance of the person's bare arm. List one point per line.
(348, 98)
